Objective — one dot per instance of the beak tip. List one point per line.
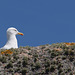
(22, 34)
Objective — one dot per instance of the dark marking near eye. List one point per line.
(15, 30)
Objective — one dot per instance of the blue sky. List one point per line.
(41, 21)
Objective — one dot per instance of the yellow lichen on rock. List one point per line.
(6, 52)
(69, 44)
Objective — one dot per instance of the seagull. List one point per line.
(11, 38)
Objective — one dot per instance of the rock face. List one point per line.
(55, 59)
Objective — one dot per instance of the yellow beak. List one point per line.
(20, 33)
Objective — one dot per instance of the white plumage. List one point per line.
(11, 38)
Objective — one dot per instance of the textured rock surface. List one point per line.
(55, 59)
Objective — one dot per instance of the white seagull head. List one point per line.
(11, 38)
(13, 31)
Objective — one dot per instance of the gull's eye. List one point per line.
(15, 30)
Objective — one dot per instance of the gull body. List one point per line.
(11, 38)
